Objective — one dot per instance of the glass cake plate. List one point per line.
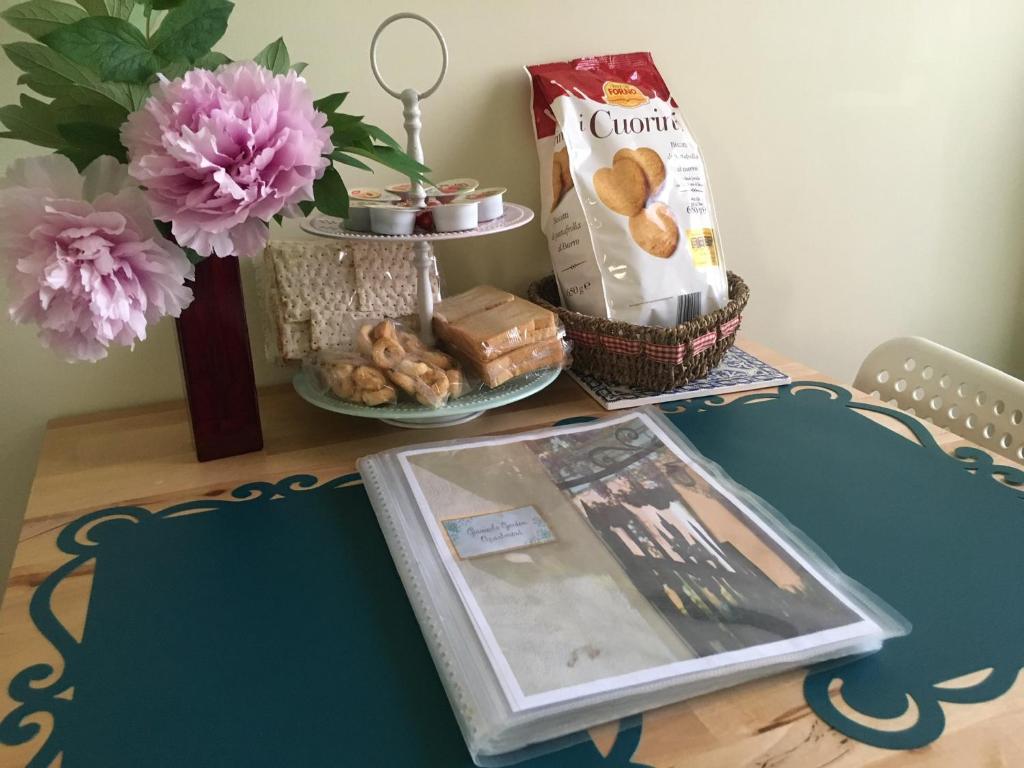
(416, 416)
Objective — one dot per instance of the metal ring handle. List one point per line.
(373, 53)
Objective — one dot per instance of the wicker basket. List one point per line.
(643, 356)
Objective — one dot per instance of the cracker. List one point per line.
(293, 341)
(386, 278)
(312, 275)
(317, 294)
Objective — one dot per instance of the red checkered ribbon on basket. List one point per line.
(663, 353)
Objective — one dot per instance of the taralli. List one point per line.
(364, 340)
(432, 388)
(385, 330)
(387, 352)
(404, 382)
(339, 379)
(650, 163)
(457, 386)
(393, 363)
(412, 367)
(410, 341)
(340, 370)
(370, 378)
(623, 187)
(435, 358)
(655, 230)
(385, 394)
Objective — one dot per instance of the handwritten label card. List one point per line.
(497, 532)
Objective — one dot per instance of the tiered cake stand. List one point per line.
(412, 414)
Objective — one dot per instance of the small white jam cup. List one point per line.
(446, 191)
(371, 195)
(392, 220)
(491, 200)
(403, 189)
(455, 217)
(359, 215)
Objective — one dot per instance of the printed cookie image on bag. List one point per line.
(626, 206)
(561, 178)
(626, 187)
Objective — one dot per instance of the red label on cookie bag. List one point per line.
(622, 79)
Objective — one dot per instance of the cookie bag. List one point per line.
(625, 200)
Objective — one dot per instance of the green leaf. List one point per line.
(164, 5)
(50, 74)
(32, 121)
(347, 129)
(328, 104)
(178, 68)
(330, 194)
(212, 60)
(37, 18)
(392, 158)
(343, 122)
(346, 138)
(307, 207)
(110, 46)
(133, 93)
(104, 113)
(191, 29)
(94, 7)
(382, 137)
(299, 67)
(274, 57)
(119, 9)
(85, 141)
(346, 160)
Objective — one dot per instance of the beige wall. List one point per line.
(867, 158)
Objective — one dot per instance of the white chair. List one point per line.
(974, 400)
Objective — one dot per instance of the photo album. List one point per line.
(570, 576)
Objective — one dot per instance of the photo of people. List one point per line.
(721, 584)
(649, 570)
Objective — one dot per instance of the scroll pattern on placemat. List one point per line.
(179, 595)
(275, 612)
(905, 519)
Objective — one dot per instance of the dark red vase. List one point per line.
(215, 357)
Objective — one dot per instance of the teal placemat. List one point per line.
(271, 629)
(268, 630)
(936, 536)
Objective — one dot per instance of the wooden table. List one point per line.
(144, 456)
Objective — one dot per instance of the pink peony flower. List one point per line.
(87, 264)
(220, 153)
